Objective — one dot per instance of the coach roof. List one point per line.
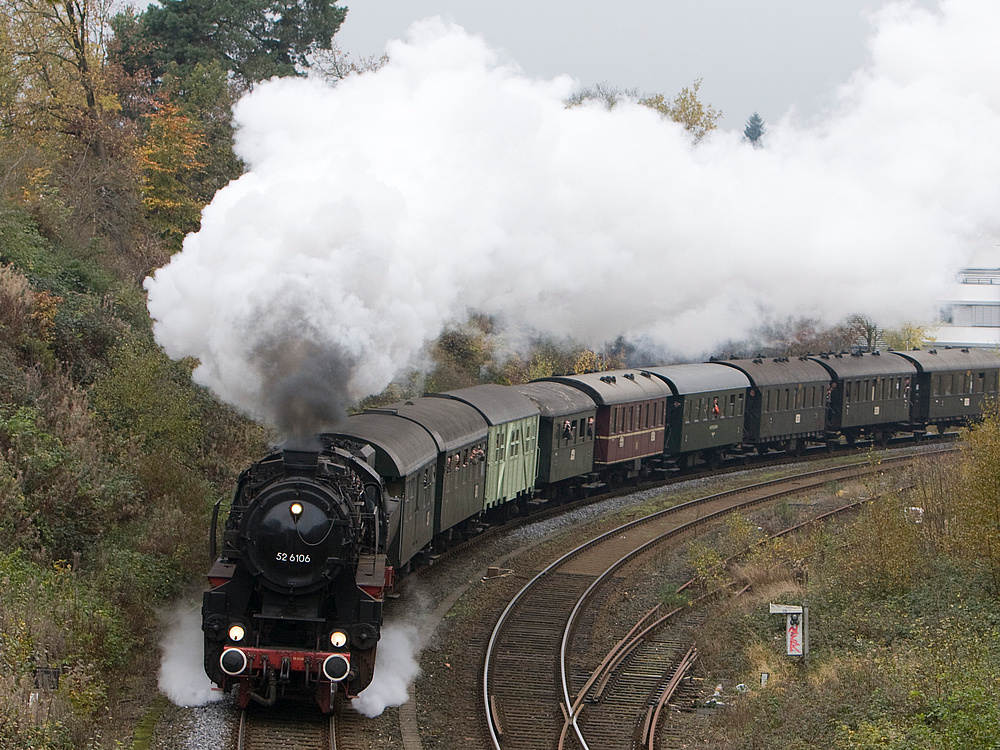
(452, 424)
(938, 360)
(859, 365)
(700, 378)
(497, 403)
(557, 399)
(407, 445)
(616, 386)
(767, 371)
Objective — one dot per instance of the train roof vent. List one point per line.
(629, 375)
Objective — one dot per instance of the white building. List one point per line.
(972, 316)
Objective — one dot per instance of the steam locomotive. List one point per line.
(314, 538)
(296, 595)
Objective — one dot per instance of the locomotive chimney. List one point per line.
(299, 460)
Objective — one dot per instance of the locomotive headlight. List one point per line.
(338, 638)
(336, 667)
(296, 510)
(233, 661)
(236, 632)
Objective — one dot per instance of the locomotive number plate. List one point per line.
(291, 557)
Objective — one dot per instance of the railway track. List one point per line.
(295, 727)
(533, 650)
(534, 688)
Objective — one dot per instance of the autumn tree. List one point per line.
(169, 154)
(907, 336)
(73, 149)
(56, 61)
(686, 109)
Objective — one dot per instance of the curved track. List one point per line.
(532, 690)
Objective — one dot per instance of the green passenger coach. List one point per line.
(512, 447)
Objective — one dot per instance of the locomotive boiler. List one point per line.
(295, 598)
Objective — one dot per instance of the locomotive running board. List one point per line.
(370, 571)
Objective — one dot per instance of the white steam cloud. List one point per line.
(376, 212)
(182, 669)
(397, 664)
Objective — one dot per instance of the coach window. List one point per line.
(687, 412)
(981, 383)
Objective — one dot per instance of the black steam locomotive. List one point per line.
(295, 603)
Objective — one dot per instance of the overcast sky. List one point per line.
(772, 56)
